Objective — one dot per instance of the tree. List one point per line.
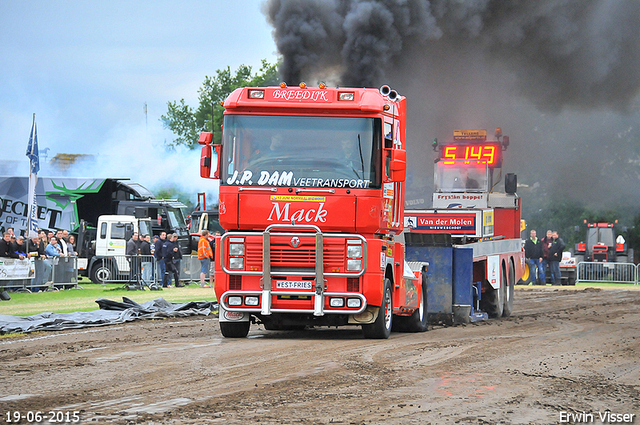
(187, 123)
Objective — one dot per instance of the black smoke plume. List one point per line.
(561, 77)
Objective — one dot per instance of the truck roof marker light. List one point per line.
(346, 96)
(256, 94)
(322, 86)
(283, 85)
(303, 85)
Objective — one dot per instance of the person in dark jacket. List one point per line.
(555, 256)
(6, 248)
(547, 241)
(169, 252)
(533, 254)
(133, 257)
(158, 254)
(147, 264)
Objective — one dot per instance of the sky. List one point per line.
(87, 69)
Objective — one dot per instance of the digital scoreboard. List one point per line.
(470, 147)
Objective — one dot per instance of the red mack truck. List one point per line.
(312, 196)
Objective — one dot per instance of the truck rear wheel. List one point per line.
(381, 328)
(492, 301)
(509, 292)
(234, 329)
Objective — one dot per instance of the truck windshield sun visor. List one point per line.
(295, 151)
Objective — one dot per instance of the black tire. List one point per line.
(381, 328)
(101, 273)
(492, 300)
(509, 292)
(418, 321)
(234, 329)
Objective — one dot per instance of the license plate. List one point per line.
(294, 284)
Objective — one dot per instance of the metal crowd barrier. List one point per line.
(608, 272)
(43, 274)
(126, 269)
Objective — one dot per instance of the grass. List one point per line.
(26, 304)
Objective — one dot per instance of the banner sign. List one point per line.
(56, 202)
(15, 269)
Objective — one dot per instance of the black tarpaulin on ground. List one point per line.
(111, 312)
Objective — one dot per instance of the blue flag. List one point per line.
(32, 148)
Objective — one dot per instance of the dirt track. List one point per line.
(563, 350)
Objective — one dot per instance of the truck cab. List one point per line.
(113, 232)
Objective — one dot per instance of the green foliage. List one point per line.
(187, 123)
(174, 192)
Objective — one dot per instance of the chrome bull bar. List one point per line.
(319, 273)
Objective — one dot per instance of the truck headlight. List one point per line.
(354, 265)
(354, 251)
(336, 302)
(354, 302)
(236, 263)
(236, 249)
(234, 300)
(251, 300)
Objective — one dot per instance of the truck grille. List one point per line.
(304, 255)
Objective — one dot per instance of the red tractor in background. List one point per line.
(602, 246)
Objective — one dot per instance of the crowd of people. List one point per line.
(44, 247)
(146, 255)
(540, 253)
(162, 254)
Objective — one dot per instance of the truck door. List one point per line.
(111, 239)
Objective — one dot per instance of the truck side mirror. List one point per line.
(396, 165)
(207, 161)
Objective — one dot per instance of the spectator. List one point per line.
(159, 256)
(36, 248)
(533, 254)
(62, 242)
(177, 254)
(547, 241)
(555, 256)
(19, 247)
(169, 250)
(205, 255)
(71, 241)
(6, 249)
(147, 263)
(133, 258)
(53, 249)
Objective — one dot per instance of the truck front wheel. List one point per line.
(234, 329)
(101, 273)
(381, 328)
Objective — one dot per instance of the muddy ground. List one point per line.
(563, 352)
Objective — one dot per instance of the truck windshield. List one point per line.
(603, 235)
(461, 176)
(331, 152)
(176, 218)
